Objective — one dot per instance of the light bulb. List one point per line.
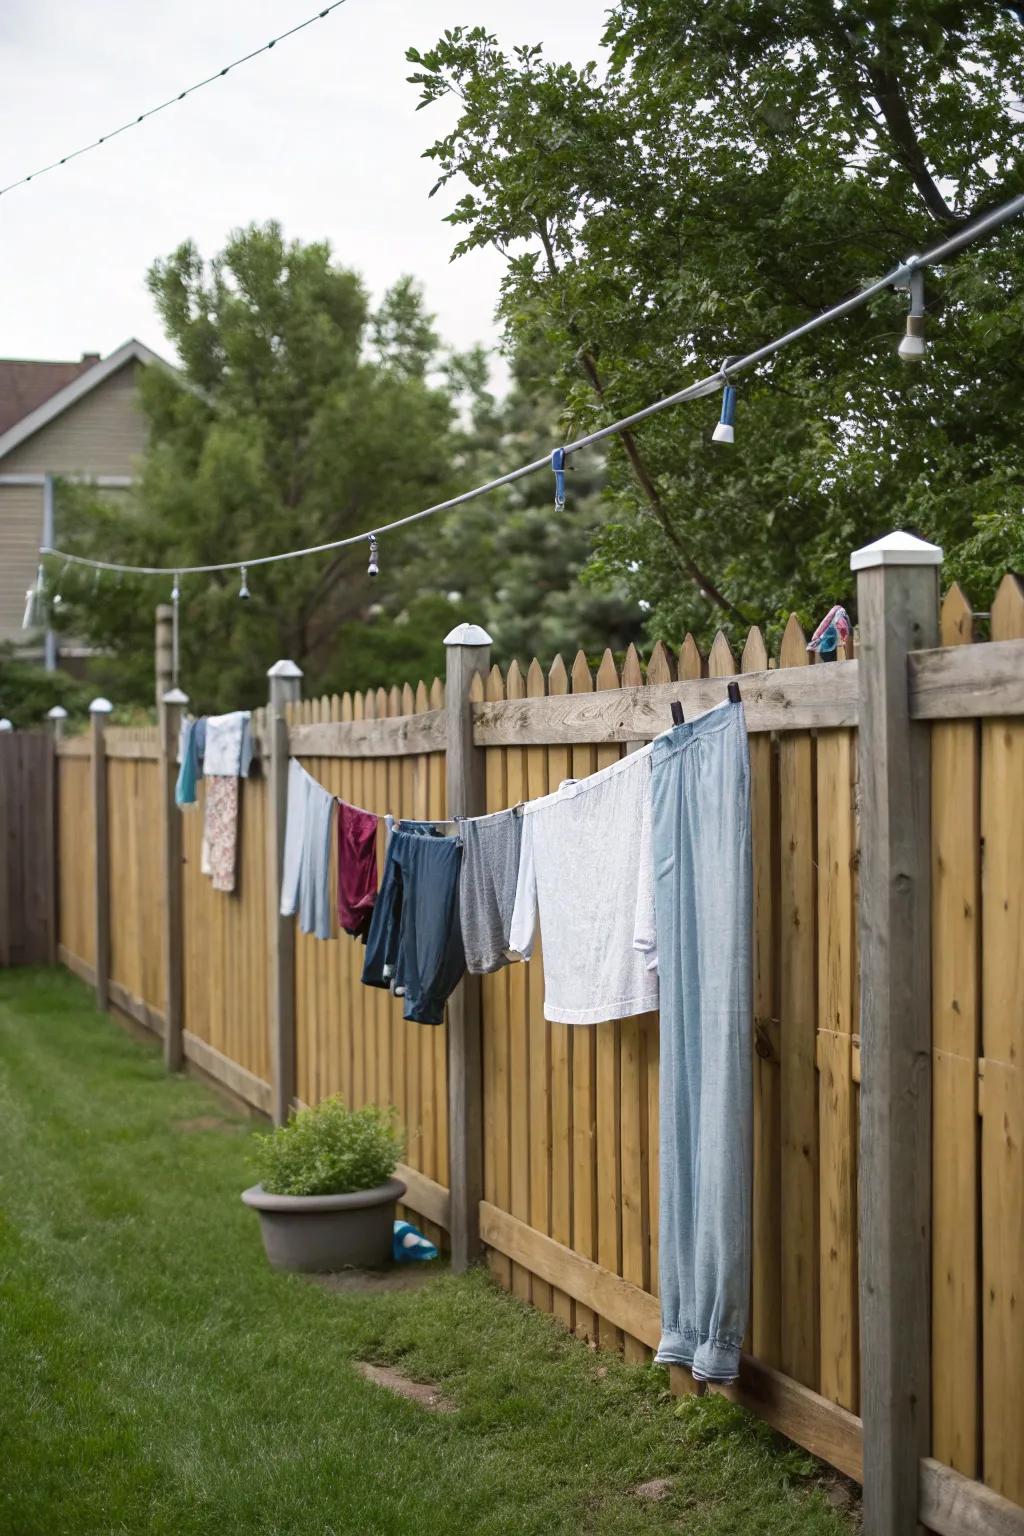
(373, 569)
(243, 591)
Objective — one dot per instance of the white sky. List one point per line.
(321, 134)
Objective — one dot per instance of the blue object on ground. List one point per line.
(409, 1245)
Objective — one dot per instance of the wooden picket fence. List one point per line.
(564, 1121)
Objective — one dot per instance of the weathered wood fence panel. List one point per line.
(569, 1214)
(76, 875)
(27, 850)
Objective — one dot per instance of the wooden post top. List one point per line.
(895, 549)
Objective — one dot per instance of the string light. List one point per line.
(914, 344)
(373, 569)
(725, 430)
(901, 276)
(34, 616)
(175, 605)
(171, 100)
(243, 591)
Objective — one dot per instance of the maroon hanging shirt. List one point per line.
(357, 869)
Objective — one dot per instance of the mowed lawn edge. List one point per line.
(159, 1378)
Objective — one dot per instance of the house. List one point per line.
(74, 420)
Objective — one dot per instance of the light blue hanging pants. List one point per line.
(700, 786)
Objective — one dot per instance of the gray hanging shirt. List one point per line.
(487, 887)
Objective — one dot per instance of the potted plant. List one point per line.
(326, 1196)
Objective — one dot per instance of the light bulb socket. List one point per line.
(914, 344)
(373, 568)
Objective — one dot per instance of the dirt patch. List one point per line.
(400, 1277)
(209, 1123)
(426, 1393)
(654, 1491)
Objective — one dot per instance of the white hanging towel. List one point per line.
(228, 745)
(585, 864)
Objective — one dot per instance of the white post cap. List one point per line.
(895, 549)
(174, 696)
(100, 707)
(6, 725)
(284, 669)
(467, 634)
(58, 712)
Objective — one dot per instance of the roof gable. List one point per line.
(82, 383)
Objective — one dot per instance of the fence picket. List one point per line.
(798, 1340)
(559, 1036)
(539, 1032)
(766, 1278)
(497, 1165)
(1002, 1121)
(519, 1025)
(584, 1076)
(956, 915)
(607, 1104)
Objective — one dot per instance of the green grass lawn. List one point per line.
(155, 1376)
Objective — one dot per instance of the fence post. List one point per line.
(171, 706)
(57, 716)
(898, 610)
(285, 688)
(467, 650)
(99, 709)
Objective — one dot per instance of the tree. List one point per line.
(302, 416)
(730, 172)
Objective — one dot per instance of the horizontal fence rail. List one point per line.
(568, 1117)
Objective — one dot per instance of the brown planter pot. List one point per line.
(315, 1234)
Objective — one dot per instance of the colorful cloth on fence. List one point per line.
(833, 631)
(305, 871)
(357, 869)
(585, 867)
(228, 745)
(415, 941)
(220, 830)
(487, 887)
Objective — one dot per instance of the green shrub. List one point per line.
(329, 1150)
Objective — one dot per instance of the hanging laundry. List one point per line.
(487, 887)
(700, 830)
(306, 862)
(226, 757)
(580, 866)
(415, 941)
(228, 745)
(315, 880)
(220, 831)
(357, 869)
(294, 836)
(191, 741)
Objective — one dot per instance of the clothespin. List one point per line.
(558, 466)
